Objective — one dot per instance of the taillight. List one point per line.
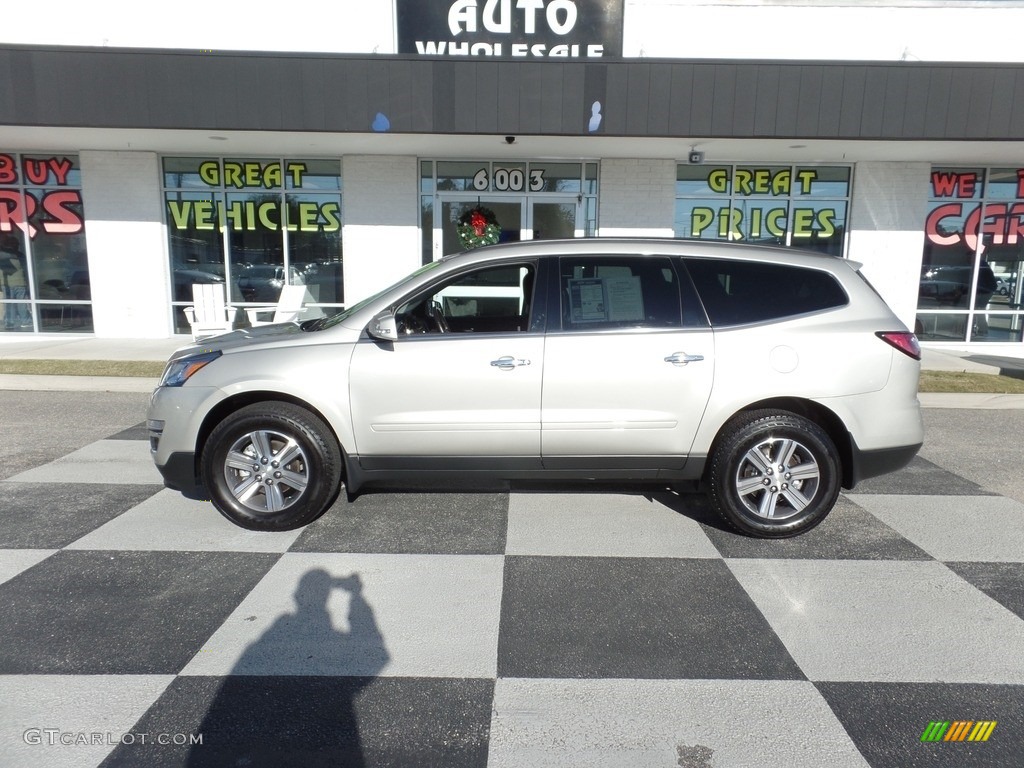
(904, 341)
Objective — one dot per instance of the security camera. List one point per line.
(510, 139)
(696, 157)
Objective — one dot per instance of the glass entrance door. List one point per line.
(553, 219)
(508, 212)
(518, 218)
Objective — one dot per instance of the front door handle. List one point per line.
(681, 358)
(507, 362)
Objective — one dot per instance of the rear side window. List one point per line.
(739, 292)
(601, 292)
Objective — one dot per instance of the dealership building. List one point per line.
(340, 150)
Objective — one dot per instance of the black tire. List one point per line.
(745, 484)
(271, 466)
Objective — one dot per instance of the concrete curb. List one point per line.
(40, 383)
(976, 400)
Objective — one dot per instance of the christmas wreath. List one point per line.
(478, 226)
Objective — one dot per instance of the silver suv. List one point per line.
(770, 377)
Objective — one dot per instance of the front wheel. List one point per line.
(774, 474)
(271, 467)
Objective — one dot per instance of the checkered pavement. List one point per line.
(541, 627)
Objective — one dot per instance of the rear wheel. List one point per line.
(774, 474)
(271, 467)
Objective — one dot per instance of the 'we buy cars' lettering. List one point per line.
(959, 222)
(57, 211)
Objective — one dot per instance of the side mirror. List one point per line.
(383, 327)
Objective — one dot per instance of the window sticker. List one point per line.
(598, 300)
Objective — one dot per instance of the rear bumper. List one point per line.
(865, 464)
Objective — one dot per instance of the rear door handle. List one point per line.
(681, 358)
(507, 362)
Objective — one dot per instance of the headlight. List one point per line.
(178, 372)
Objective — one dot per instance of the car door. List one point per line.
(626, 379)
(461, 383)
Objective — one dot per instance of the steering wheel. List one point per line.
(435, 313)
(410, 324)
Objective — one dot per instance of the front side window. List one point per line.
(488, 300)
(600, 293)
(736, 292)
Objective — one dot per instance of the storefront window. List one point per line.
(796, 206)
(974, 249)
(44, 269)
(255, 225)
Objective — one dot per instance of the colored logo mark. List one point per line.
(958, 730)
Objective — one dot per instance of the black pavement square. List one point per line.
(848, 533)
(52, 515)
(922, 478)
(315, 721)
(601, 617)
(137, 432)
(411, 523)
(91, 613)
(888, 720)
(1003, 582)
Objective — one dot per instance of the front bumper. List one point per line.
(181, 474)
(173, 421)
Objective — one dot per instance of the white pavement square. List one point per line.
(431, 616)
(66, 721)
(14, 561)
(612, 723)
(955, 528)
(882, 621)
(169, 522)
(601, 525)
(117, 462)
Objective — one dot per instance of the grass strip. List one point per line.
(960, 381)
(143, 368)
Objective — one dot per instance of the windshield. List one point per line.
(322, 323)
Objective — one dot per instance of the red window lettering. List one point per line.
(1015, 225)
(995, 222)
(932, 227)
(64, 221)
(36, 171)
(13, 213)
(953, 184)
(8, 170)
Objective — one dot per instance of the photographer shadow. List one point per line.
(291, 697)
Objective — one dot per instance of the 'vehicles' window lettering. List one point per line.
(255, 225)
(619, 292)
(740, 292)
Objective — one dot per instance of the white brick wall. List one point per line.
(637, 198)
(126, 244)
(888, 211)
(381, 222)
